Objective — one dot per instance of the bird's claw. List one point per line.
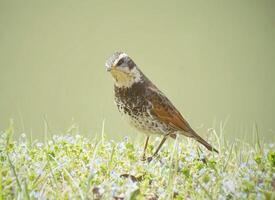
(143, 158)
(149, 159)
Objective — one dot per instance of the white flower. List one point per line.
(114, 175)
(28, 158)
(121, 147)
(36, 194)
(202, 171)
(39, 171)
(243, 165)
(114, 189)
(39, 145)
(229, 186)
(78, 136)
(126, 139)
(93, 171)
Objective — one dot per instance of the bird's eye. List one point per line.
(120, 62)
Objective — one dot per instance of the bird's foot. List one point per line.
(149, 159)
(143, 158)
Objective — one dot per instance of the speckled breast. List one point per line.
(133, 106)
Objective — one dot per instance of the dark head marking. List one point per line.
(110, 61)
(120, 62)
(120, 59)
(131, 63)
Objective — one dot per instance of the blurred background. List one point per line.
(215, 60)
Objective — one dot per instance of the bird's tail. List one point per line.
(203, 142)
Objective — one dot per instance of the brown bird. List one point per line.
(144, 105)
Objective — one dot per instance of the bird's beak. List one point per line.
(109, 68)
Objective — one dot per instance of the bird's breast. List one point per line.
(132, 100)
(135, 107)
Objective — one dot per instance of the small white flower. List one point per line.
(36, 194)
(101, 190)
(243, 165)
(93, 171)
(229, 186)
(39, 171)
(114, 175)
(114, 189)
(28, 158)
(39, 145)
(121, 147)
(108, 147)
(78, 136)
(202, 171)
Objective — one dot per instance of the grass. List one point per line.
(70, 166)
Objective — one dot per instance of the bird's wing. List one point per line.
(164, 110)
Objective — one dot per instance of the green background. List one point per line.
(214, 59)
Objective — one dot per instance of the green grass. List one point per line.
(70, 166)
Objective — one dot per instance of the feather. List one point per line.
(164, 110)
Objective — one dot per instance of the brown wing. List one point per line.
(164, 110)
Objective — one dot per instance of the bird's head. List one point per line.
(123, 69)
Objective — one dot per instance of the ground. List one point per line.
(71, 166)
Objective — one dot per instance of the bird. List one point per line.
(144, 106)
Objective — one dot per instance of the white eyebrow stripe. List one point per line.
(122, 56)
(113, 60)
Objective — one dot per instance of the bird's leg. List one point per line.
(160, 145)
(145, 147)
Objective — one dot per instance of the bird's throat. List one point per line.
(123, 79)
